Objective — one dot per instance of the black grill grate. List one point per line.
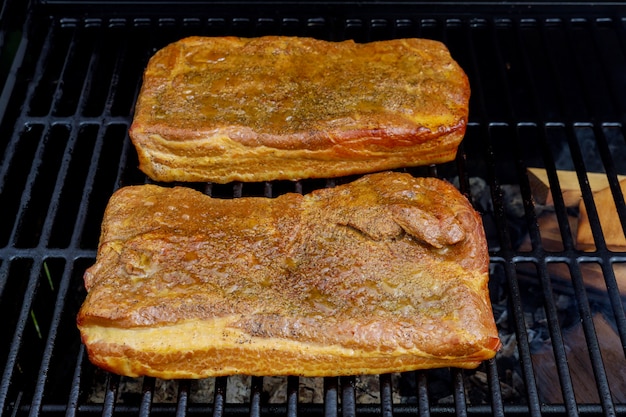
(549, 90)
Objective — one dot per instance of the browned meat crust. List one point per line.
(257, 109)
(387, 273)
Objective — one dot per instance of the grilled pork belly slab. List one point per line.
(385, 274)
(227, 109)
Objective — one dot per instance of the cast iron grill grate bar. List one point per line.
(71, 409)
(559, 350)
(506, 250)
(583, 302)
(547, 291)
(74, 98)
(183, 398)
(292, 396)
(513, 285)
(538, 84)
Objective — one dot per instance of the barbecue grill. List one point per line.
(548, 91)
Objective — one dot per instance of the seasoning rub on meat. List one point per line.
(385, 274)
(227, 109)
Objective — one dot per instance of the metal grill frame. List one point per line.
(54, 112)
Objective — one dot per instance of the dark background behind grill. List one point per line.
(548, 89)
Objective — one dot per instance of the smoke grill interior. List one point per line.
(548, 90)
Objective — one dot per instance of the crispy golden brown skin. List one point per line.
(256, 109)
(385, 274)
